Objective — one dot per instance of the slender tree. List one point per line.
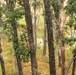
(74, 62)
(2, 65)
(1, 58)
(71, 11)
(10, 7)
(50, 37)
(56, 8)
(45, 38)
(61, 19)
(34, 23)
(28, 19)
(36, 4)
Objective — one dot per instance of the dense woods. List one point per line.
(37, 37)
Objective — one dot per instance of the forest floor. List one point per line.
(43, 65)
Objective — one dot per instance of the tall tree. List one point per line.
(36, 4)
(30, 36)
(56, 8)
(49, 24)
(10, 6)
(74, 62)
(45, 37)
(71, 11)
(34, 22)
(1, 58)
(61, 19)
(2, 65)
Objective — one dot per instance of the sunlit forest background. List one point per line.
(37, 37)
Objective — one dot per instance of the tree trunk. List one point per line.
(16, 45)
(15, 37)
(59, 57)
(30, 36)
(62, 37)
(71, 34)
(45, 31)
(2, 65)
(74, 63)
(57, 32)
(1, 58)
(35, 27)
(50, 37)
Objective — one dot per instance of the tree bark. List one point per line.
(45, 31)
(2, 65)
(74, 63)
(1, 58)
(35, 26)
(16, 45)
(71, 33)
(62, 37)
(57, 32)
(28, 19)
(14, 37)
(50, 37)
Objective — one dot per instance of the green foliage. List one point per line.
(56, 4)
(36, 4)
(8, 17)
(24, 50)
(70, 41)
(0, 10)
(70, 23)
(74, 51)
(75, 26)
(11, 1)
(7, 32)
(20, 2)
(71, 7)
(17, 14)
